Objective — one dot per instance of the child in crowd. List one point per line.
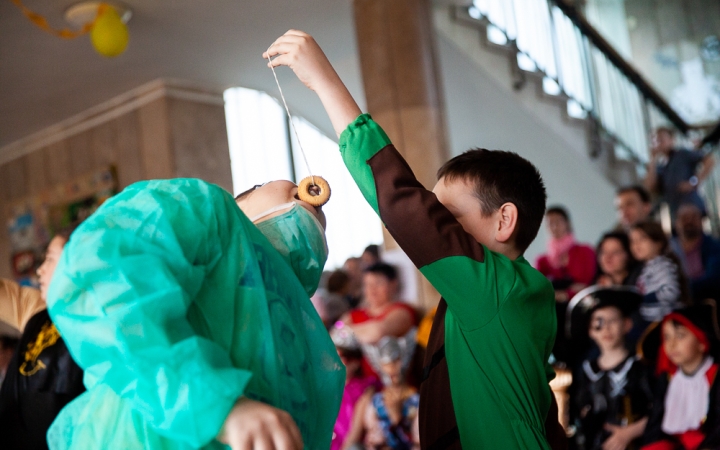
(612, 395)
(356, 385)
(487, 371)
(661, 281)
(388, 418)
(686, 411)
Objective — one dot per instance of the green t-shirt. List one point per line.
(500, 321)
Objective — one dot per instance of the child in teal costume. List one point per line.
(186, 315)
(486, 369)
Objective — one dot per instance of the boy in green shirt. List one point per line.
(486, 370)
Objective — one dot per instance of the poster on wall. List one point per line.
(33, 220)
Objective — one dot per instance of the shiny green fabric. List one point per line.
(176, 305)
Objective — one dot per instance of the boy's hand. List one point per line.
(300, 52)
(254, 425)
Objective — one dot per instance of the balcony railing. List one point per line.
(576, 62)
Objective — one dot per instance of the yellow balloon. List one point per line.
(109, 35)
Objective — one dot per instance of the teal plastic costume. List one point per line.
(176, 305)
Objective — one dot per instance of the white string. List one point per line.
(292, 122)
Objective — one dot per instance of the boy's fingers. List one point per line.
(282, 60)
(292, 32)
(295, 434)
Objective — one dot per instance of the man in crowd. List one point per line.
(698, 252)
(676, 173)
(633, 206)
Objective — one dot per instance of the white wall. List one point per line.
(483, 112)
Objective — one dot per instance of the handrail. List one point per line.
(633, 75)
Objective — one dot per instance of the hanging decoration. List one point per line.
(108, 32)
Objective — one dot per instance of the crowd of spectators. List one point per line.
(637, 323)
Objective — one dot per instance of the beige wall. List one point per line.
(162, 138)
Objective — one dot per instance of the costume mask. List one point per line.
(300, 239)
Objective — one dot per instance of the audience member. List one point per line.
(686, 411)
(616, 265)
(353, 267)
(7, 349)
(383, 315)
(661, 280)
(699, 253)
(388, 418)
(569, 266)
(356, 385)
(370, 256)
(633, 205)
(612, 394)
(674, 173)
(336, 300)
(42, 376)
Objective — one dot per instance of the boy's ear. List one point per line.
(507, 221)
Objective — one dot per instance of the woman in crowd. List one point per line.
(661, 281)
(570, 267)
(42, 376)
(616, 264)
(382, 315)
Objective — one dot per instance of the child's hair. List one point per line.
(655, 233)
(503, 177)
(386, 270)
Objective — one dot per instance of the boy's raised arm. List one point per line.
(300, 52)
(423, 227)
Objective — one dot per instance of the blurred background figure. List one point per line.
(676, 173)
(388, 418)
(570, 267)
(615, 263)
(346, 430)
(698, 252)
(353, 268)
(370, 256)
(633, 205)
(7, 348)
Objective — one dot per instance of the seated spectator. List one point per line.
(616, 265)
(383, 315)
(633, 206)
(661, 280)
(353, 268)
(686, 411)
(569, 266)
(388, 418)
(370, 256)
(356, 385)
(699, 253)
(674, 173)
(336, 300)
(42, 376)
(612, 394)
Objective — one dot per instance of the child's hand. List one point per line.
(300, 52)
(251, 425)
(620, 438)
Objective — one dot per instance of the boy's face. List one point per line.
(681, 346)
(47, 268)
(459, 198)
(608, 328)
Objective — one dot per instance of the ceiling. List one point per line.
(44, 79)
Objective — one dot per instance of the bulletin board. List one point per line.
(33, 220)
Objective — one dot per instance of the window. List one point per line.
(261, 150)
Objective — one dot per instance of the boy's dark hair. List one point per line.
(381, 268)
(636, 188)
(503, 177)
